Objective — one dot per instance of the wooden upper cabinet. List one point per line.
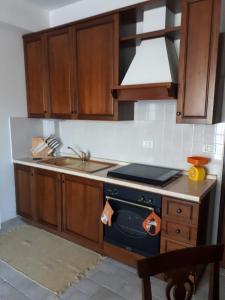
(60, 72)
(48, 198)
(35, 72)
(198, 61)
(23, 182)
(95, 53)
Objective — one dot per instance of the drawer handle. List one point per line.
(178, 231)
(179, 210)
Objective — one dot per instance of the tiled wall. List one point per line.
(153, 138)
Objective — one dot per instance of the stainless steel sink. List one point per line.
(72, 163)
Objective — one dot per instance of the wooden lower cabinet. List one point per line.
(48, 198)
(23, 183)
(82, 208)
(66, 205)
(184, 225)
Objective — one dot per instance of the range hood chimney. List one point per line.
(156, 59)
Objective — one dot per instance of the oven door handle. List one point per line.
(129, 203)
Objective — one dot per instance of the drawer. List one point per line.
(168, 245)
(179, 232)
(180, 210)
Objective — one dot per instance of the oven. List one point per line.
(131, 207)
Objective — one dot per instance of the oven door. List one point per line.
(127, 231)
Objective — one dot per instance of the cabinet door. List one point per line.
(23, 182)
(48, 198)
(198, 61)
(82, 207)
(35, 76)
(94, 43)
(60, 70)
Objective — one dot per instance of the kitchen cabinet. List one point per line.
(24, 184)
(47, 195)
(71, 207)
(60, 73)
(82, 208)
(184, 224)
(198, 61)
(95, 48)
(71, 70)
(49, 74)
(66, 205)
(35, 76)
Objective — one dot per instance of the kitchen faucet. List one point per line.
(81, 154)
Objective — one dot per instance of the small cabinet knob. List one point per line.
(178, 231)
(178, 114)
(179, 211)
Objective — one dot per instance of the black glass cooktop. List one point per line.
(145, 174)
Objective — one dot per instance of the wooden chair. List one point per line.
(177, 266)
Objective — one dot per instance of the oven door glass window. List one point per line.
(127, 231)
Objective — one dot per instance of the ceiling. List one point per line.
(52, 4)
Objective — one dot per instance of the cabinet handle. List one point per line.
(179, 211)
(178, 113)
(178, 231)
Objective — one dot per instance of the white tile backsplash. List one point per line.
(155, 121)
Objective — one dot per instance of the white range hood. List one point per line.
(156, 59)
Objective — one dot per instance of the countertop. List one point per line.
(181, 188)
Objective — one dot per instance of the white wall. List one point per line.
(22, 14)
(12, 102)
(16, 18)
(84, 9)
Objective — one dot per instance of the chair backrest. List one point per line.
(177, 266)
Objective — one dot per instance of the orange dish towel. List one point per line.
(107, 213)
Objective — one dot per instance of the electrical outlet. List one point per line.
(209, 148)
(147, 144)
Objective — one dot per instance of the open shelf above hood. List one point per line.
(148, 54)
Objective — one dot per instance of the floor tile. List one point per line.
(109, 280)
(222, 272)
(75, 294)
(121, 265)
(85, 286)
(11, 224)
(88, 286)
(25, 285)
(107, 267)
(222, 287)
(105, 294)
(7, 292)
